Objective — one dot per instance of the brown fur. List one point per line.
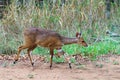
(46, 38)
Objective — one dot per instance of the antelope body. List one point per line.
(46, 38)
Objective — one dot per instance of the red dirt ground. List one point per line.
(106, 68)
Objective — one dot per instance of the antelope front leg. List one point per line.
(66, 56)
(51, 53)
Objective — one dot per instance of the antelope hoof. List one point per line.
(70, 66)
(32, 63)
(15, 61)
(50, 66)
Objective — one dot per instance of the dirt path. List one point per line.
(107, 68)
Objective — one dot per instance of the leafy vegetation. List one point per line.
(86, 16)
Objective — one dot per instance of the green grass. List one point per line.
(41, 51)
(92, 51)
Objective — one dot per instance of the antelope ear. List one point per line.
(78, 34)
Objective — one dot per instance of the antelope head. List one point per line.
(81, 40)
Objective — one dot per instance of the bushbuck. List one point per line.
(34, 37)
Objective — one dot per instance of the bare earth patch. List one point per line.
(106, 68)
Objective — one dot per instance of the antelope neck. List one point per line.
(67, 40)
